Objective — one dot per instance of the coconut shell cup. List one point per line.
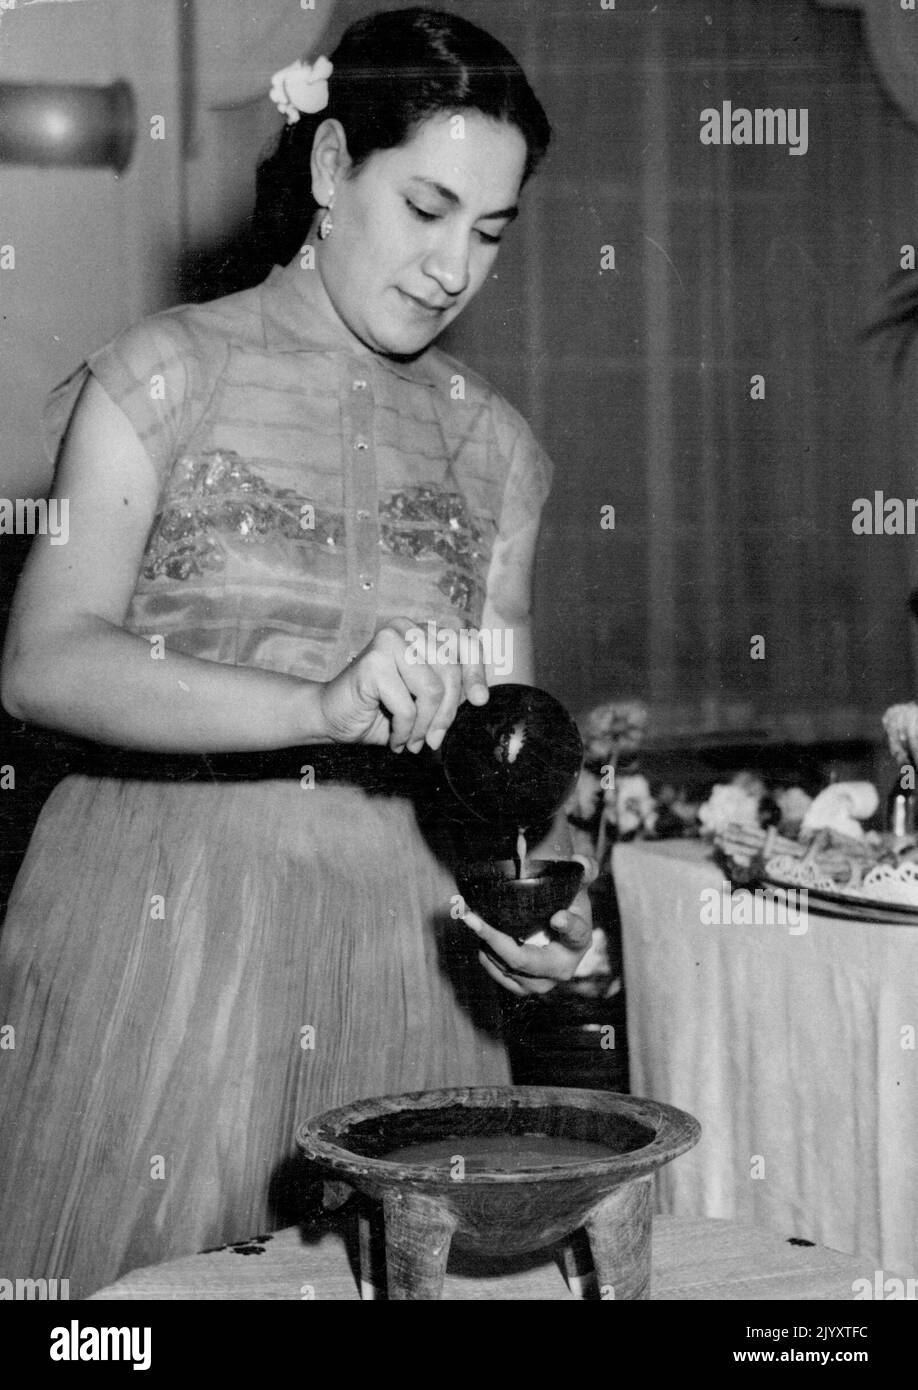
(520, 907)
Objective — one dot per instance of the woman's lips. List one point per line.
(423, 304)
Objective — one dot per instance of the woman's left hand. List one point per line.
(530, 969)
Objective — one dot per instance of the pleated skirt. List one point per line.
(191, 970)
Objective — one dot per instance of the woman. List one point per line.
(268, 494)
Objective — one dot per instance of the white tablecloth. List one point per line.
(791, 1048)
(692, 1260)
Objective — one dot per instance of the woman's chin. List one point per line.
(406, 343)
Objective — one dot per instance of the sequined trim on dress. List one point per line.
(426, 523)
(218, 495)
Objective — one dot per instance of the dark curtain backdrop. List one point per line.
(732, 516)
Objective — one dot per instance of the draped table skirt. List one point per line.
(793, 1045)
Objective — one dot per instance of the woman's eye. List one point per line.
(424, 216)
(420, 213)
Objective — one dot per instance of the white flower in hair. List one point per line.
(301, 88)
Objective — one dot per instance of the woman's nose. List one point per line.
(448, 264)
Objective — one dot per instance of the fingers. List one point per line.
(411, 690)
(465, 680)
(405, 687)
(901, 725)
(590, 868)
(446, 710)
(421, 678)
(397, 698)
(897, 744)
(474, 677)
(415, 678)
(464, 677)
(573, 930)
(502, 945)
(503, 979)
(536, 966)
(428, 690)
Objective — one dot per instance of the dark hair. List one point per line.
(391, 71)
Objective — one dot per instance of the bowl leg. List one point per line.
(618, 1229)
(577, 1266)
(418, 1236)
(371, 1241)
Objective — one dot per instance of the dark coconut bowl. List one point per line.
(499, 1207)
(519, 906)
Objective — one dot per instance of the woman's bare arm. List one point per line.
(70, 664)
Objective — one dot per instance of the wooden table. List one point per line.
(692, 1260)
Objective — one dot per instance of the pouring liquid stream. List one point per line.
(521, 855)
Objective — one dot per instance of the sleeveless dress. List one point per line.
(200, 953)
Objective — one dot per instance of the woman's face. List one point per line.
(416, 230)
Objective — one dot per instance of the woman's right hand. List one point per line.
(901, 725)
(389, 694)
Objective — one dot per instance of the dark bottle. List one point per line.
(515, 760)
(900, 808)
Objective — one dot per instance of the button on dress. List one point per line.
(195, 963)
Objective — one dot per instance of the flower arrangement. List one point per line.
(728, 804)
(612, 733)
(747, 803)
(613, 730)
(614, 800)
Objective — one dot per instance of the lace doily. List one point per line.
(891, 885)
(802, 872)
(882, 884)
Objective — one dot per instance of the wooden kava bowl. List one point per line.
(483, 1200)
